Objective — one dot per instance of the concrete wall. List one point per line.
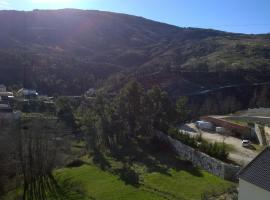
(199, 159)
(267, 134)
(248, 191)
(260, 134)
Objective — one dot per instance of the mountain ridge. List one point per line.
(68, 51)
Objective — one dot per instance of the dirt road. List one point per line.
(238, 154)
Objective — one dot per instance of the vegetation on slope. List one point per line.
(117, 156)
(216, 150)
(69, 51)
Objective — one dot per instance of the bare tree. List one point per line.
(37, 148)
(8, 160)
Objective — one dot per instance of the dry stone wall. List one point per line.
(202, 160)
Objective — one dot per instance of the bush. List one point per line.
(129, 176)
(185, 138)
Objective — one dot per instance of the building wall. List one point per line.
(267, 134)
(248, 191)
(260, 134)
(234, 128)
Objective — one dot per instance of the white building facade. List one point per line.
(3, 88)
(248, 191)
(254, 179)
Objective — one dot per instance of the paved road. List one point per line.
(227, 86)
(239, 154)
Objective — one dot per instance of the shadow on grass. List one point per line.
(128, 176)
(67, 189)
(75, 163)
(100, 160)
(156, 156)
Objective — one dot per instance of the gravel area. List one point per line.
(238, 154)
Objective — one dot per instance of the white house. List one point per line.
(254, 179)
(4, 94)
(3, 88)
(27, 93)
(90, 93)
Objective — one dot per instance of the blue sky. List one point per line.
(243, 16)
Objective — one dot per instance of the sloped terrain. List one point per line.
(68, 51)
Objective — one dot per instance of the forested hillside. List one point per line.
(68, 51)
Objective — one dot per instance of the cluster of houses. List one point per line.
(6, 112)
(4, 94)
(7, 98)
(22, 93)
(27, 93)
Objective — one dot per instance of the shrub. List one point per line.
(185, 138)
(215, 150)
(129, 176)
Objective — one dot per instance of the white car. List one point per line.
(246, 143)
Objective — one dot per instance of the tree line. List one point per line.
(135, 112)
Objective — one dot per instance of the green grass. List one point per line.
(92, 182)
(98, 184)
(162, 176)
(185, 184)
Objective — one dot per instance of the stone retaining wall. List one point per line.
(199, 159)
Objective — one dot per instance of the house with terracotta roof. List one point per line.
(254, 179)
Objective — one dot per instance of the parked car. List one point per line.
(246, 143)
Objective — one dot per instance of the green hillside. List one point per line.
(69, 51)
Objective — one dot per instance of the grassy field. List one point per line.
(161, 176)
(90, 182)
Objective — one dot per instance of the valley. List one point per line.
(105, 106)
